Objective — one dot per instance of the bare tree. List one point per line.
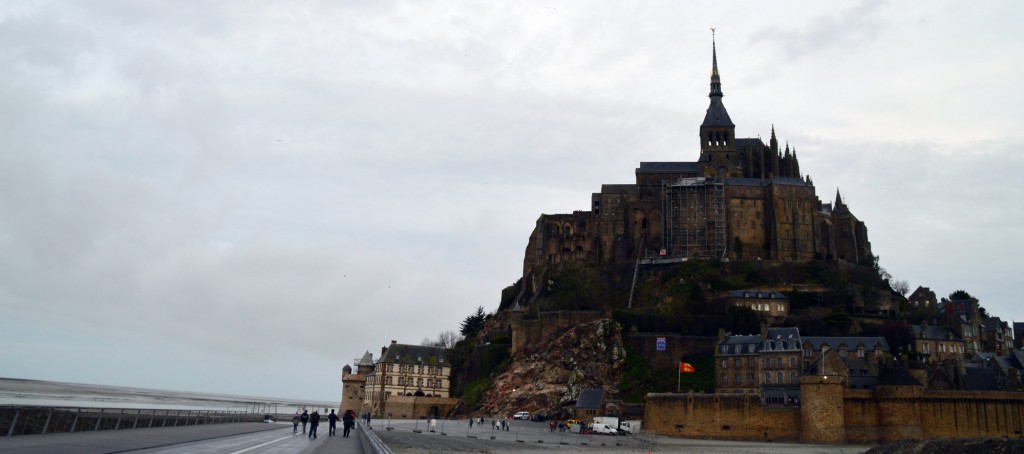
(901, 287)
(448, 339)
(445, 339)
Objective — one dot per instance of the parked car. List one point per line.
(521, 415)
(604, 429)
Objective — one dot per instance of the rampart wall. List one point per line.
(419, 406)
(830, 413)
(719, 416)
(546, 325)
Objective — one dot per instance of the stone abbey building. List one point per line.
(742, 198)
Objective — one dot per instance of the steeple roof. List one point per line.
(716, 114)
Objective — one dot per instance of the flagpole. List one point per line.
(679, 377)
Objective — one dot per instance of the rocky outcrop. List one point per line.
(547, 377)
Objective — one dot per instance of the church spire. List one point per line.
(716, 116)
(716, 81)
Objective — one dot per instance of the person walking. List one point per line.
(295, 422)
(305, 419)
(348, 422)
(314, 421)
(332, 423)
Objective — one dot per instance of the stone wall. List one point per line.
(912, 413)
(533, 330)
(830, 413)
(739, 417)
(404, 407)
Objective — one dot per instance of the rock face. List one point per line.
(546, 377)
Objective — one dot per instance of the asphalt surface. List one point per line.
(401, 436)
(525, 437)
(237, 438)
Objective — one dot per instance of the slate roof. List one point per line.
(851, 342)
(668, 167)
(933, 332)
(590, 399)
(897, 376)
(617, 188)
(981, 378)
(366, 360)
(749, 142)
(415, 354)
(716, 114)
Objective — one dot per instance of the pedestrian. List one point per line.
(295, 422)
(348, 422)
(332, 423)
(305, 419)
(314, 421)
(471, 423)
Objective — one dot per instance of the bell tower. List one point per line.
(718, 155)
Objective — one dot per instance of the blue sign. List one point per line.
(661, 344)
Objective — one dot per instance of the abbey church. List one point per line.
(741, 199)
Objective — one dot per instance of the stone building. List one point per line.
(937, 343)
(771, 364)
(1018, 335)
(996, 336)
(771, 304)
(409, 381)
(742, 198)
(353, 384)
(766, 364)
(923, 297)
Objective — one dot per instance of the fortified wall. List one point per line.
(832, 413)
(416, 407)
(534, 330)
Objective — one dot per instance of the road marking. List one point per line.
(261, 445)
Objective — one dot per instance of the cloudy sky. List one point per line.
(241, 197)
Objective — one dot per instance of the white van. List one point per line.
(521, 415)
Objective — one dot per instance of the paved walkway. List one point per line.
(173, 439)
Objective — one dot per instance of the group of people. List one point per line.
(348, 421)
(496, 424)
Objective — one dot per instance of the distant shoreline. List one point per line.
(30, 392)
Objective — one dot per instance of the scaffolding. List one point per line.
(695, 223)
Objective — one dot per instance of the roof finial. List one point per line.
(716, 83)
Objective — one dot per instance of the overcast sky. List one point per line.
(242, 197)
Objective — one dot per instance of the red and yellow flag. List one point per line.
(686, 368)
